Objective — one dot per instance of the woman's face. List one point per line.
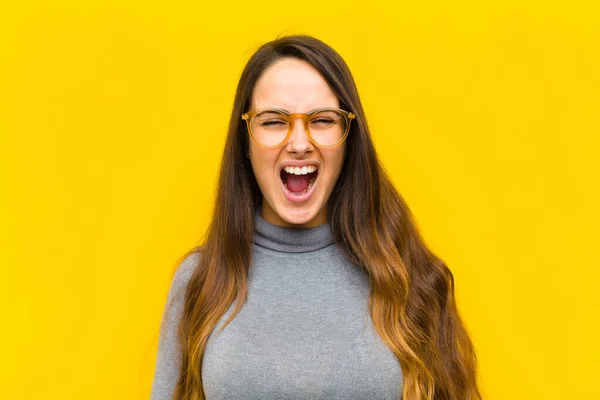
(294, 85)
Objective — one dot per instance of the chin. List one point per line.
(300, 216)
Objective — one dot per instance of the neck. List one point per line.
(290, 239)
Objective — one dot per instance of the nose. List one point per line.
(298, 141)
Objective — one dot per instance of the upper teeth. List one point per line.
(307, 169)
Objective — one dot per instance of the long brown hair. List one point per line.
(412, 302)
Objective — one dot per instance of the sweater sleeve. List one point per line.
(168, 358)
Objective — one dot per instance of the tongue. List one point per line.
(297, 183)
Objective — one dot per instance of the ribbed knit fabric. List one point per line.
(304, 332)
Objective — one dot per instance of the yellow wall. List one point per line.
(112, 120)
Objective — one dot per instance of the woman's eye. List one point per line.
(272, 123)
(323, 121)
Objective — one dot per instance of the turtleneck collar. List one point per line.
(290, 240)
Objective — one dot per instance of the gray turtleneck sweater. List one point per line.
(304, 332)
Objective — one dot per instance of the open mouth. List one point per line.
(299, 180)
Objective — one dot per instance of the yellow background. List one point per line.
(112, 121)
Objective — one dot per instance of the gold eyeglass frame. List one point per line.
(305, 117)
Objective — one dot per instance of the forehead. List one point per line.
(293, 85)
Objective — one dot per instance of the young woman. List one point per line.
(313, 281)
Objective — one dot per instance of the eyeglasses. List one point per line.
(326, 127)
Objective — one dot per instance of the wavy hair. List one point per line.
(411, 299)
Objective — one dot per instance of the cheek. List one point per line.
(335, 160)
(263, 164)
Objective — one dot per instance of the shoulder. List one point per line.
(186, 266)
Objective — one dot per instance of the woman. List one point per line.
(313, 281)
